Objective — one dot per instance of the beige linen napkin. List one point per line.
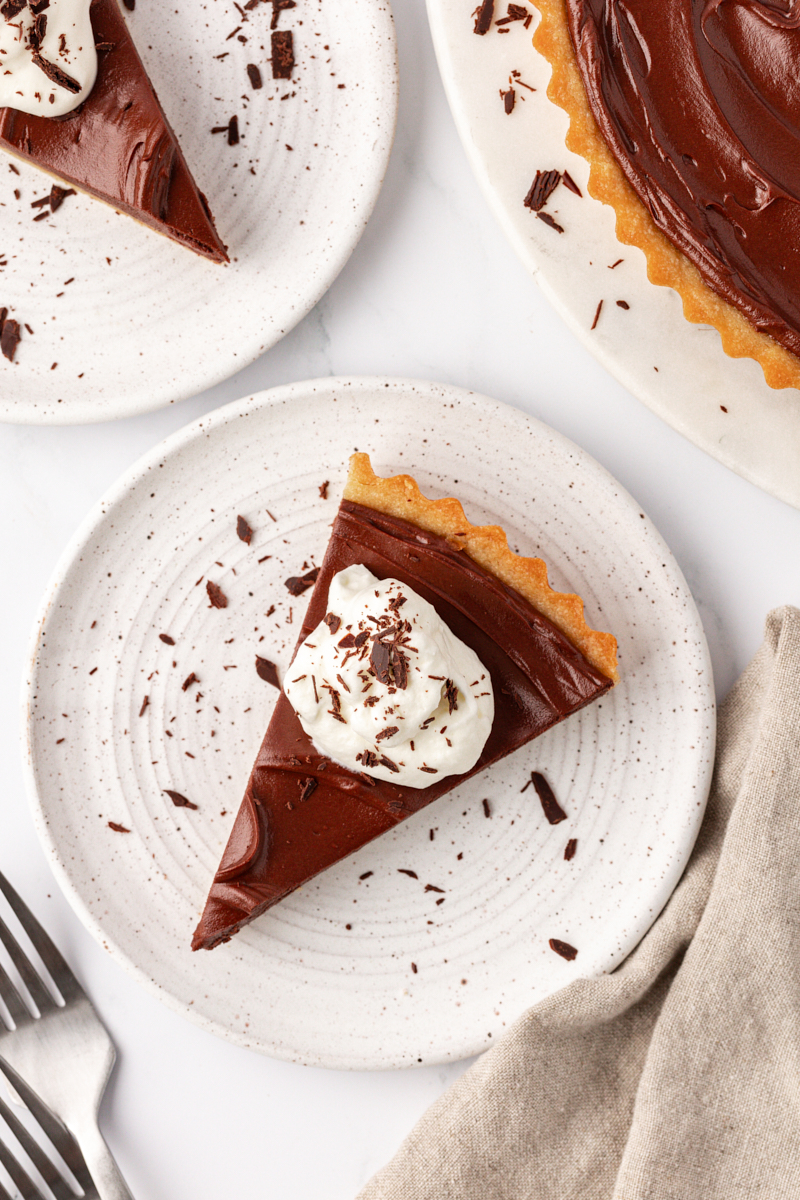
(678, 1076)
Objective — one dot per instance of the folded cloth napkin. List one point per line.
(677, 1077)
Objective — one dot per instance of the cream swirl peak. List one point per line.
(48, 60)
(383, 686)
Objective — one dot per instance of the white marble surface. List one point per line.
(433, 291)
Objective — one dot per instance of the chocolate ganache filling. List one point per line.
(699, 101)
(303, 812)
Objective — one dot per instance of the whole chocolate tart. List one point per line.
(688, 112)
(118, 145)
(302, 812)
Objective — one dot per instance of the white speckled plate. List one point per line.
(326, 977)
(145, 322)
(677, 369)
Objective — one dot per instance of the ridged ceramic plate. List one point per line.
(144, 322)
(326, 977)
(677, 369)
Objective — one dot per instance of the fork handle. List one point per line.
(103, 1169)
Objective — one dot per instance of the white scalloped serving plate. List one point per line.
(145, 322)
(326, 976)
(677, 369)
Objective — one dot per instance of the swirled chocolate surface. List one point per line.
(302, 812)
(118, 145)
(699, 101)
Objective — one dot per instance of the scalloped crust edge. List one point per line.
(666, 265)
(487, 545)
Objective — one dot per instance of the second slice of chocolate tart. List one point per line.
(303, 812)
(118, 145)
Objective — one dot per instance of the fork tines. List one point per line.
(55, 1132)
(52, 958)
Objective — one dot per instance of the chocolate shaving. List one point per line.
(429, 887)
(307, 787)
(282, 54)
(509, 99)
(243, 530)
(414, 968)
(254, 75)
(58, 195)
(542, 188)
(129, 4)
(483, 17)
(390, 766)
(570, 848)
(551, 221)
(451, 692)
(323, 490)
(389, 731)
(333, 622)
(347, 642)
(367, 758)
(12, 8)
(623, 304)
(55, 74)
(405, 871)
(596, 316)
(297, 584)
(277, 8)
(216, 595)
(145, 704)
(387, 659)
(487, 811)
(570, 183)
(117, 828)
(428, 770)
(267, 671)
(564, 949)
(550, 806)
(366, 875)
(233, 131)
(178, 800)
(166, 639)
(10, 336)
(188, 681)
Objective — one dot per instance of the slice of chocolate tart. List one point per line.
(118, 145)
(428, 652)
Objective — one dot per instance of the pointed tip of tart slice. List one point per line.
(487, 545)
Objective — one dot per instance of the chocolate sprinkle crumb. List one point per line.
(178, 800)
(564, 949)
(307, 787)
(254, 75)
(188, 681)
(430, 887)
(10, 336)
(487, 811)
(333, 622)
(542, 188)
(509, 99)
(570, 183)
(483, 17)
(596, 316)
(166, 639)
(233, 131)
(297, 584)
(414, 968)
(550, 806)
(623, 304)
(145, 704)
(366, 875)
(406, 871)
(323, 490)
(216, 595)
(551, 221)
(117, 828)
(282, 54)
(267, 671)
(243, 530)
(570, 848)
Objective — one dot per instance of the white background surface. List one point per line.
(432, 291)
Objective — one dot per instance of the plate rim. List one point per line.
(176, 441)
(152, 398)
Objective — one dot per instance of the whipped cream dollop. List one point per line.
(383, 686)
(48, 60)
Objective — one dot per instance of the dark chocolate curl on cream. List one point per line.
(285, 832)
(699, 101)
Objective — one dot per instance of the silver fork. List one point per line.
(64, 1053)
(58, 1136)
